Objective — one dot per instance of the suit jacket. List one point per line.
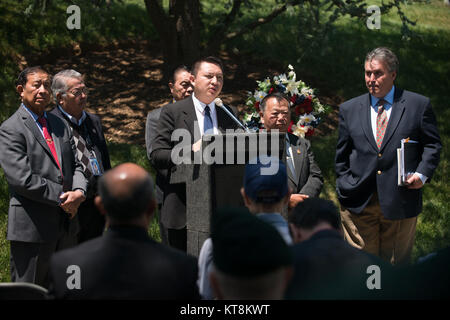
(95, 131)
(35, 179)
(180, 115)
(125, 263)
(150, 134)
(326, 267)
(362, 169)
(308, 179)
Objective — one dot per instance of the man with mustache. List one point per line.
(198, 115)
(378, 215)
(46, 180)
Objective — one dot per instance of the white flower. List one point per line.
(290, 67)
(259, 95)
(306, 119)
(218, 102)
(307, 91)
(283, 78)
(292, 87)
(320, 109)
(292, 75)
(299, 131)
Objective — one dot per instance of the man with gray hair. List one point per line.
(379, 214)
(70, 94)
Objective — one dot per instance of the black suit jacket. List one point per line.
(362, 169)
(326, 267)
(180, 115)
(125, 263)
(308, 179)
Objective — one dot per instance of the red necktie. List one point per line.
(49, 139)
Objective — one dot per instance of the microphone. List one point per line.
(218, 102)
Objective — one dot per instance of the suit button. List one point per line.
(60, 179)
(379, 171)
(379, 155)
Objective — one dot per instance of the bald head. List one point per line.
(126, 192)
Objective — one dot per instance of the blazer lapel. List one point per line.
(297, 157)
(57, 142)
(398, 107)
(364, 114)
(32, 126)
(190, 119)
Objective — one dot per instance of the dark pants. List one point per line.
(92, 222)
(30, 262)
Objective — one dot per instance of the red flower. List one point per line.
(307, 105)
(290, 127)
(271, 90)
(257, 106)
(310, 132)
(293, 98)
(299, 110)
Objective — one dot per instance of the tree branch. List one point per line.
(260, 21)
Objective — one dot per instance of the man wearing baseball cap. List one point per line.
(265, 193)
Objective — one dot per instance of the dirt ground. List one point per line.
(125, 83)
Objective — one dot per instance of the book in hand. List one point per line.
(407, 160)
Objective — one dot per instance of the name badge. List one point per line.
(95, 167)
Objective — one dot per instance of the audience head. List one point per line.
(250, 258)
(265, 185)
(207, 79)
(70, 92)
(313, 215)
(381, 68)
(180, 83)
(275, 112)
(33, 86)
(126, 195)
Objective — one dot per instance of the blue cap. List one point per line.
(266, 180)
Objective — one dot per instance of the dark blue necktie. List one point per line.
(207, 122)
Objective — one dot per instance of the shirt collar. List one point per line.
(201, 106)
(34, 115)
(389, 98)
(72, 118)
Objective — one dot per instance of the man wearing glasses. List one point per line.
(70, 94)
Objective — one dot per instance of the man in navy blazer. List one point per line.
(378, 215)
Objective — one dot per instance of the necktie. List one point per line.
(381, 122)
(49, 140)
(83, 153)
(207, 122)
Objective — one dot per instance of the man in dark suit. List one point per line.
(46, 180)
(124, 263)
(378, 215)
(180, 87)
(193, 116)
(325, 266)
(305, 177)
(70, 94)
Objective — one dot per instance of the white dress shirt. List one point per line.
(200, 112)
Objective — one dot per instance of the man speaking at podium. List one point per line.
(379, 216)
(197, 114)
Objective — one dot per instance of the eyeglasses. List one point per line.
(79, 92)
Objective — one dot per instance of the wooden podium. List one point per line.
(214, 180)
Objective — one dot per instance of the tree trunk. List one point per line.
(178, 30)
